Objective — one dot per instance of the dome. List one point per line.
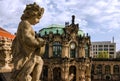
(54, 28)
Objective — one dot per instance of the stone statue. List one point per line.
(71, 77)
(27, 48)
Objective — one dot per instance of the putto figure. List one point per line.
(27, 48)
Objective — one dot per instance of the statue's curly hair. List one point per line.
(32, 10)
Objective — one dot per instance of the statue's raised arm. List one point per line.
(27, 48)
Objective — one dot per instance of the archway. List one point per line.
(72, 71)
(2, 78)
(108, 77)
(45, 73)
(57, 74)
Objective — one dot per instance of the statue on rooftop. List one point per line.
(27, 48)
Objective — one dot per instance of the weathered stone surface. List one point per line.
(27, 48)
(67, 54)
(5, 54)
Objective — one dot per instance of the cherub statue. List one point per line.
(27, 48)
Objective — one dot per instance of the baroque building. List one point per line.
(6, 39)
(67, 53)
(5, 49)
(67, 56)
(105, 69)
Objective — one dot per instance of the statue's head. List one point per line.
(32, 10)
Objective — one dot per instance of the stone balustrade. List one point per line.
(5, 55)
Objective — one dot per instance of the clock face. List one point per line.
(72, 45)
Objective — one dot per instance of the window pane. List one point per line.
(57, 49)
(116, 69)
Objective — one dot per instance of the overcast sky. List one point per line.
(99, 18)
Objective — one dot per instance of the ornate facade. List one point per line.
(67, 54)
(6, 67)
(66, 57)
(5, 50)
(105, 69)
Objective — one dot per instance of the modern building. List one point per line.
(108, 46)
(67, 55)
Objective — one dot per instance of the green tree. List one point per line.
(103, 54)
(118, 54)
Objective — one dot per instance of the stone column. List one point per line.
(82, 72)
(65, 51)
(88, 72)
(111, 68)
(62, 73)
(50, 50)
(65, 71)
(95, 71)
(103, 69)
(81, 51)
(50, 74)
(77, 73)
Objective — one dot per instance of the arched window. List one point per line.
(116, 69)
(107, 69)
(72, 73)
(1, 77)
(99, 69)
(72, 50)
(57, 49)
(108, 77)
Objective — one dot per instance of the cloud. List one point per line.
(96, 17)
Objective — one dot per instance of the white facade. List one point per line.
(108, 46)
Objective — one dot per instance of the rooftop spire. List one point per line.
(113, 39)
(73, 19)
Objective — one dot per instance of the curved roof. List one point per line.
(56, 29)
(56, 25)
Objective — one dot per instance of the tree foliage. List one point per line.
(103, 54)
(118, 54)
